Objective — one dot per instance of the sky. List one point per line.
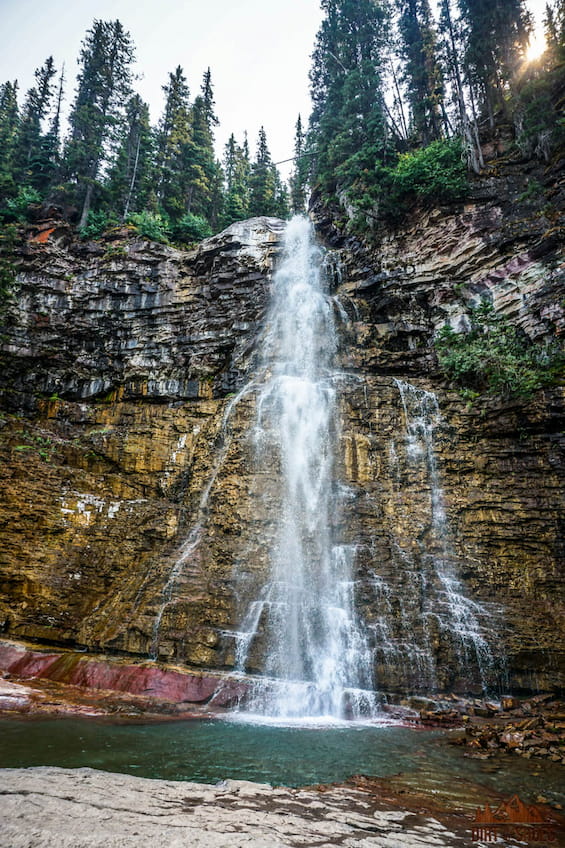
(258, 51)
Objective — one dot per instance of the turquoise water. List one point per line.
(210, 751)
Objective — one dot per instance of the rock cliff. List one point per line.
(129, 497)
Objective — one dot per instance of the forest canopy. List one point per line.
(404, 98)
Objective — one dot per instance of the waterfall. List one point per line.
(461, 621)
(316, 658)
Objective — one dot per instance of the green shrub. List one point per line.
(496, 358)
(17, 208)
(151, 225)
(428, 176)
(96, 224)
(436, 173)
(191, 228)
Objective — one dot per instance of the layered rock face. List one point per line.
(119, 360)
(133, 517)
(498, 465)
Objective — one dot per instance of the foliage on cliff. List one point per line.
(496, 358)
(429, 175)
(404, 103)
(8, 237)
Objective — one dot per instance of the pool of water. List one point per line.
(210, 751)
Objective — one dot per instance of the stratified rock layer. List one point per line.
(129, 497)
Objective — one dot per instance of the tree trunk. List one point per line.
(86, 205)
(133, 178)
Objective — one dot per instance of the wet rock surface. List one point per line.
(532, 728)
(128, 493)
(114, 398)
(47, 683)
(82, 808)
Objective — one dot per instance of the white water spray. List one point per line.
(317, 662)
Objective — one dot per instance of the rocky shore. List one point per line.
(84, 808)
(44, 807)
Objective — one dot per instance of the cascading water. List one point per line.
(303, 625)
(317, 661)
(182, 564)
(464, 621)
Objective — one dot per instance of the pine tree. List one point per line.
(9, 125)
(209, 103)
(30, 164)
(497, 33)
(453, 52)
(299, 177)
(263, 180)
(104, 87)
(422, 73)
(217, 199)
(129, 182)
(281, 206)
(202, 169)
(207, 199)
(348, 127)
(175, 146)
(237, 171)
(51, 142)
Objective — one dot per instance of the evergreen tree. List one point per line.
(422, 73)
(217, 198)
(497, 33)
(51, 142)
(453, 53)
(206, 176)
(348, 126)
(175, 147)
(230, 153)
(268, 195)
(281, 208)
(9, 124)
(30, 161)
(202, 168)
(104, 86)
(237, 170)
(209, 103)
(262, 182)
(299, 178)
(129, 182)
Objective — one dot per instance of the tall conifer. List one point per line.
(348, 125)
(497, 33)
(237, 171)
(422, 72)
(299, 177)
(31, 159)
(129, 179)
(104, 86)
(262, 181)
(9, 125)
